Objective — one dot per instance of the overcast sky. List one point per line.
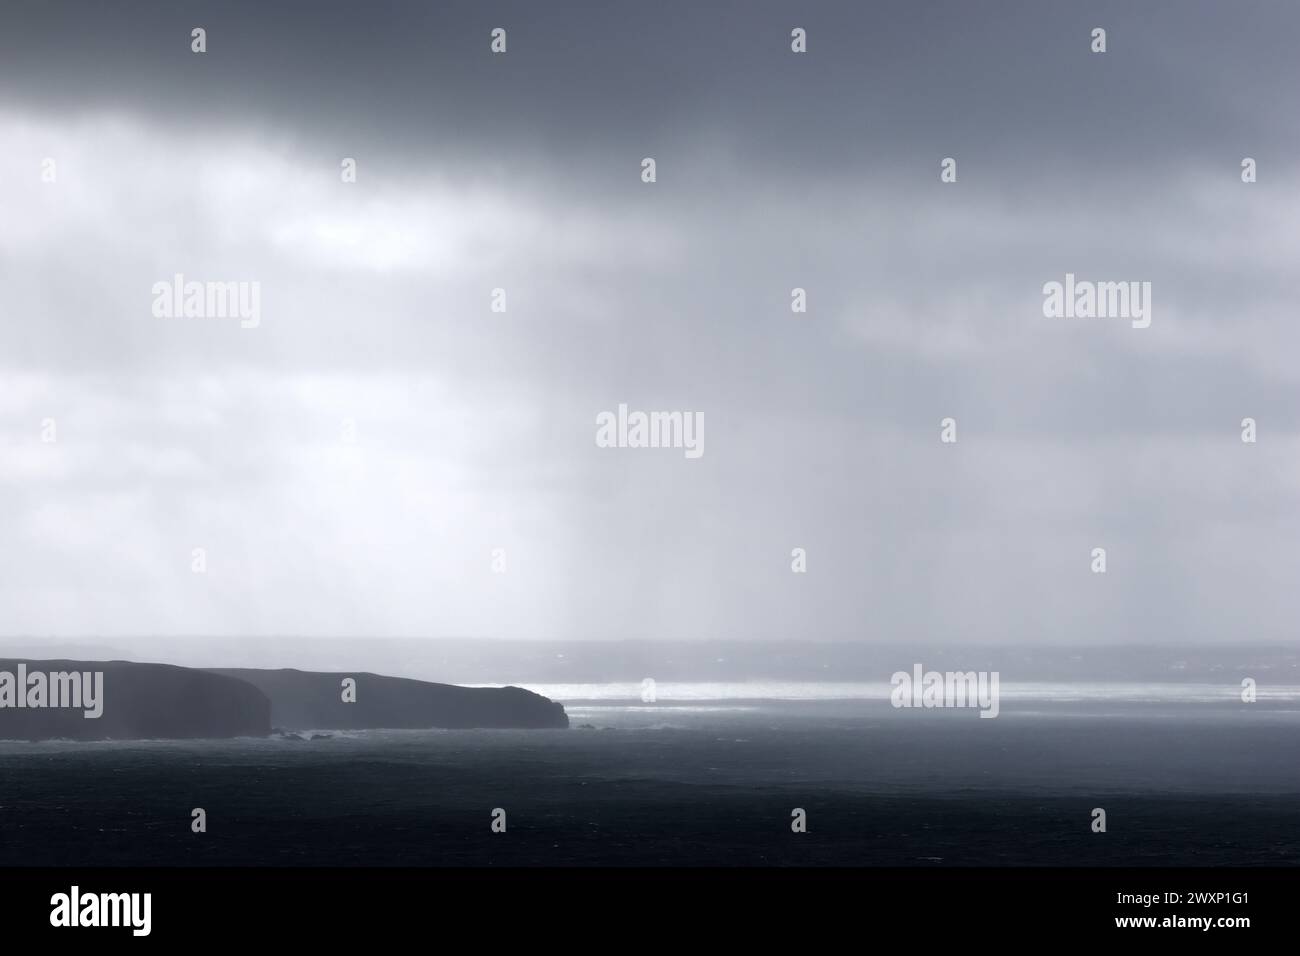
(474, 430)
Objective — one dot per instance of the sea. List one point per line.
(765, 773)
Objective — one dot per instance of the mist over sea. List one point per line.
(706, 774)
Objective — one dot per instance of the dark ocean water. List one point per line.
(700, 783)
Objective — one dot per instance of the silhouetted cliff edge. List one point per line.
(133, 701)
(313, 700)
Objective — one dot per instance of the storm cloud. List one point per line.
(358, 463)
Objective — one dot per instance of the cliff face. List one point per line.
(312, 700)
(122, 700)
(134, 701)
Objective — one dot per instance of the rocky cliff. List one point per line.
(122, 700)
(309, 699)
